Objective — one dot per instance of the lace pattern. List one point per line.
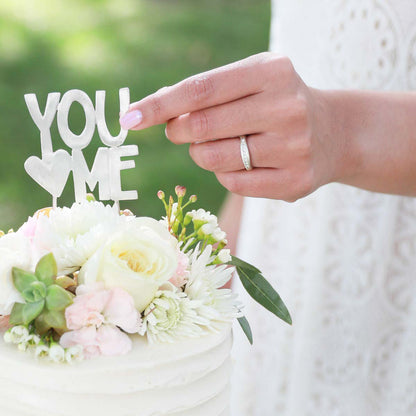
(343, 259)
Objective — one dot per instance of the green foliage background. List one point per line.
(56, 45)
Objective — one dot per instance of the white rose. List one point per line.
(15, 251)
(139, 258)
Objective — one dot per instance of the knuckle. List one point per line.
(263, 57)
(304, 146)
(199, 88)
(301, 107)
(212, 158)
(170, 132)
(285, 64)
(199, 124)
(281, 62)
(156, 104)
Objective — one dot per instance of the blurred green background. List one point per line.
(56, 45)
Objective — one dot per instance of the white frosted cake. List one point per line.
(112, 314)
(186, 378)
(105, 313)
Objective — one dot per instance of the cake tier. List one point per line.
(186, 378)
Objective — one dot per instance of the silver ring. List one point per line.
(245, 154)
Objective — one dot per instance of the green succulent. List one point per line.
(45, 299)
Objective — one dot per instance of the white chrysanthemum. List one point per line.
(74, 234)
(171, 316)
(216, 305)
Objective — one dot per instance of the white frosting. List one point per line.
(186, 378)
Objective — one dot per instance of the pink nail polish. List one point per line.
(131, 119)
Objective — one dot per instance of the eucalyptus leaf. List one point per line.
(235, 261)
(246, 328)
(22, 279)
(31, 311)
(16, 316)
(260, 289)
(57, 298)
(46, 269)
(35, 292)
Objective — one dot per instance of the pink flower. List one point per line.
(28, 229)
(181, 274)
(95, 318)
(112, 341)
(106, 340)
(95, 306)
(120, 311)
(87, 337)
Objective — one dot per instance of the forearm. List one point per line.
(376, 136)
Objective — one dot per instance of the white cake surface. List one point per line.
(186, 378)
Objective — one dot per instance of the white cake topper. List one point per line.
(52, 170)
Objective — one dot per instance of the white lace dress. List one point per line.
(343, 259)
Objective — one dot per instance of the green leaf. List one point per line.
(16, 316)
(57, 298)
(46, 269)
(41, 325)
(35, 292)
(246, 328)
(31, 311)
(260, 289)
(235, 261)
(22, 279)
(55, 319)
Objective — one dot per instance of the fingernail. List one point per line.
(131, 119)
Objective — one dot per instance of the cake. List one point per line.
(107, 313)
(186, 378)
(141, 323)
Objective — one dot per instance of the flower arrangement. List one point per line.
(79, 282)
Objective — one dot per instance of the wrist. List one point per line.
(340, 129)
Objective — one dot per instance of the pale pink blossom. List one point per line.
(120, 311)
(96, 317)
(28, 229)
(105, 340)
(112, 341)
(95, 306)
(86, 337)
(181, 274)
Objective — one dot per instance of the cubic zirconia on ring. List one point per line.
(245, 154)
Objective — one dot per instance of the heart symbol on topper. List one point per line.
(51, 172)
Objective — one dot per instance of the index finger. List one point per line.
(218, 86)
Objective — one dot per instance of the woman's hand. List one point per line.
(299, 138)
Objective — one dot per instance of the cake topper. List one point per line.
(52, 170)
